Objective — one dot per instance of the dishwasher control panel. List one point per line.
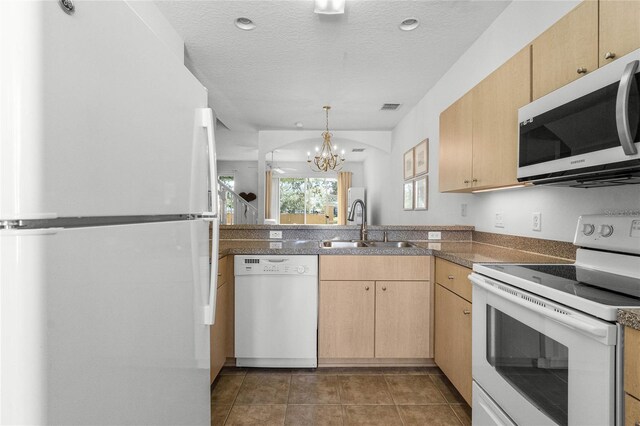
(275, 265)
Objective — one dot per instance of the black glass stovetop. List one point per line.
(598, 286)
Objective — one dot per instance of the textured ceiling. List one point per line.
(295, 61)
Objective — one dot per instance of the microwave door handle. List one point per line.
(622, 109)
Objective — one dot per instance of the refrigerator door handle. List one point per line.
(210, 309)
(207, 121)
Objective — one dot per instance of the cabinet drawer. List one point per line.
(454, 277)
(631, 367)
(631, 411)
(375, 268)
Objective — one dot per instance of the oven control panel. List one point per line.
(614, 233)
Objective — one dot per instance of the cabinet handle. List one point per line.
(581, 70)
(384, 289)
(466, 181)
(467, 312)
(474, 180)
(611, 55)
(367, 288)
(450, 277)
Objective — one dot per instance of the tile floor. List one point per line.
(337, 396)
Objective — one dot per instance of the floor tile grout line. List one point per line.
(233, 404)
(438, 389)
(395, 403)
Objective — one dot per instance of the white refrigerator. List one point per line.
(107, 160)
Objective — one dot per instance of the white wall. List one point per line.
(245, 173)
(520, 23)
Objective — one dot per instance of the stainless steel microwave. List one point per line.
(587, 133)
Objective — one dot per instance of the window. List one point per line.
(227, 204)
(308, 200)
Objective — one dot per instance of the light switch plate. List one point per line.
(435, 235)
(498, 221)
(463, 209)
(275, 235)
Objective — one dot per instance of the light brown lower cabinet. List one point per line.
(374, 316)
(402, 319)
(631, 377)
(221, 333)
(346, 319)
(453, 339)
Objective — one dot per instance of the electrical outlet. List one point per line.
(498, 221)
(536, 221)
(275, 235)
(463, 209)
(435, 235)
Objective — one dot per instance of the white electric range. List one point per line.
(546, 347)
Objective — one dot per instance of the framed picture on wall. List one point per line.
(422, 193)
(408, 196)
(408, 165)
(421, 154)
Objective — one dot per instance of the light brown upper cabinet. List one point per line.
(567, 50)
(495, 122)
(455, 146)
(619, 29)
(479, 132)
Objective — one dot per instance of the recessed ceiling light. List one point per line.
(409, 24)
(299, 124)
(329, 7)
(245, 24)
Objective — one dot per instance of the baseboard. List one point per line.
(376, 362)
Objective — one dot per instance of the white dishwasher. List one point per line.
(276, 311)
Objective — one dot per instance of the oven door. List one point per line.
(542, 363)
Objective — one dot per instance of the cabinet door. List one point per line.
(631, 367)
(402, 319)
(619, 29)
(567, 50)
(219, 331)
(495, 116)
(230, 309)
(346, 319)
(631, 410)
(455, 145)
(453, 339)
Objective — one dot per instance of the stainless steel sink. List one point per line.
(342, 244)
(398, 244)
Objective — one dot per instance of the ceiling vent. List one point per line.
(221, 124)
(357, 150)
(390, 107)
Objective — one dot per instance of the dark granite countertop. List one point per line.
(629, 317)
(464, 253)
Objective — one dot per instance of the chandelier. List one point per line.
(325, 159)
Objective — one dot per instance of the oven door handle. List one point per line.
(563, 319)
